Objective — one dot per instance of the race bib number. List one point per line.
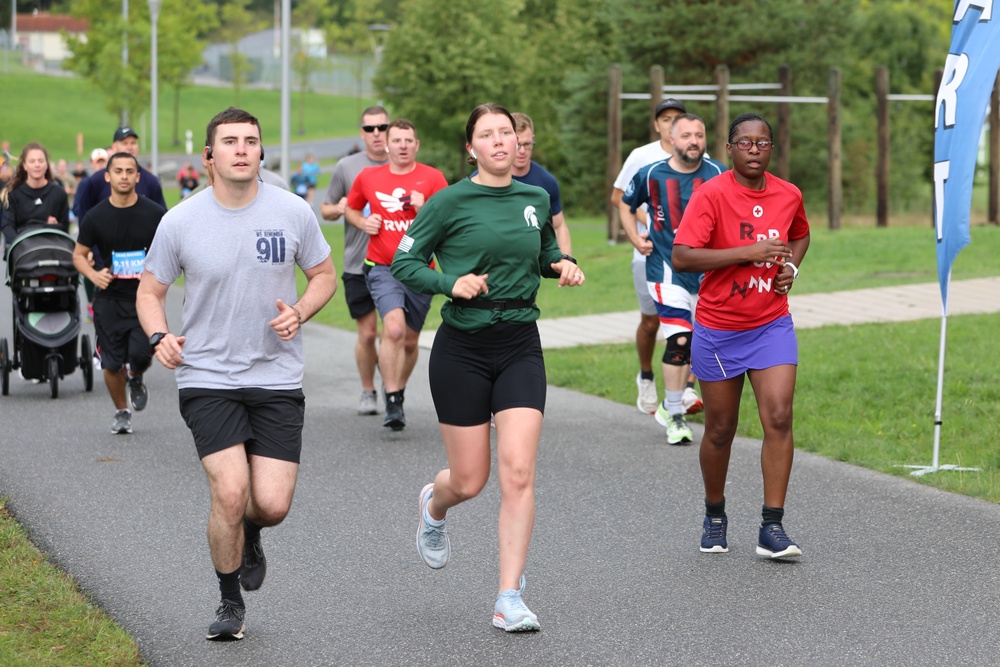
(127, 265)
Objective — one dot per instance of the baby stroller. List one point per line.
(46, 311)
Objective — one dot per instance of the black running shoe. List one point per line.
(254, 565)
(394, 417)
(228, 624)
(138, 395)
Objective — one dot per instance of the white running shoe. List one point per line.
(691, 401)
(647, 400)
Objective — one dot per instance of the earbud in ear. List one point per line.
(473, 154)
(208, 153)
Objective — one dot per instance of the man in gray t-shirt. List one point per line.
(236, 352)
(374, 124)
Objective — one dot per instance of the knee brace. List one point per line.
(678, 350)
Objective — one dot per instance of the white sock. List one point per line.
(673, 402)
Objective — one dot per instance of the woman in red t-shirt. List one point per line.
(747, 230)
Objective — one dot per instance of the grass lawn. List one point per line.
(50, 123)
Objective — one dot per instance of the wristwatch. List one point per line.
(569, 258)
(155, 339)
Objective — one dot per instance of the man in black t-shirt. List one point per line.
(122, 229)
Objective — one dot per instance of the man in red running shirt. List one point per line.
(396, 192)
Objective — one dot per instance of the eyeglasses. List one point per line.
(745, 144)
(528, 145)
(371, 128)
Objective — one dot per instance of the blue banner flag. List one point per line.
(959, 114)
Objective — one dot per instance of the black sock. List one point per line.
(689, 385)
(229, 585)
(715, 509)
(251, 531)
(771, 515)
(646, 375)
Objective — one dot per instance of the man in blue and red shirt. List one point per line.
(665, 187)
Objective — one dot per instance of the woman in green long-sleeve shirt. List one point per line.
(493, 240)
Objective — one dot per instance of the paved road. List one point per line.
(893, 573)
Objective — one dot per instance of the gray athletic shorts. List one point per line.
(390, 294)
(646, 304)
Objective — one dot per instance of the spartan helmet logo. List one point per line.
(530, 217)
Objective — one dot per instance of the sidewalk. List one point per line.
(882, 304)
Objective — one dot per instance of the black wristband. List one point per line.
(569, 258)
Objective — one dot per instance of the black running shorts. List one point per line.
(120, 337)
(359, 299)
(475, 374)
(267, 422)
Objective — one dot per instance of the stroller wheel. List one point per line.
(86, 363)
(5, 367)
(54, 376)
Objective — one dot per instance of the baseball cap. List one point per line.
(123, 132)
(669, 103)
(98, 154)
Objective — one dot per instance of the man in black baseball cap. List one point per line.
(95, 188)
(669, 103)
(122, 132)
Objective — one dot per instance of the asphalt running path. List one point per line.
(893, 572)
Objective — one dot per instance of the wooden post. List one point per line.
(721, 113)
(655, 96)
(836, 193)
(784, 137)
(882, 147)
(614, 146)
(994, 152)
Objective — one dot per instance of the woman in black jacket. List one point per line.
(32, 197)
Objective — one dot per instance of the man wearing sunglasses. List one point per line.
(374, 124)
(383, 202)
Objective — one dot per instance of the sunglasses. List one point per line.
(371, 128)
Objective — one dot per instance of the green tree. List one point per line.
(238, 21)
(308, 15)
(350, 36)
(466, 56)
(97, 55)
(186, 26)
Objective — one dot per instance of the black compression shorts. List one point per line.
(475, 374)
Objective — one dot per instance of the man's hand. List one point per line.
(373, 224)
(169, 351)
(286, 324)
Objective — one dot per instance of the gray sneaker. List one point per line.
(122, 423)
(368, 404)
(511, 614)
(138, 395)
(433, 544)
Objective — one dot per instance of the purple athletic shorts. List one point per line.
(718, 354)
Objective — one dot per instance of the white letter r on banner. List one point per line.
(955, 68)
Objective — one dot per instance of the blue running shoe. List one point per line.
(774, 543)
(433, 543)
(511, 614)
(713, 539)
